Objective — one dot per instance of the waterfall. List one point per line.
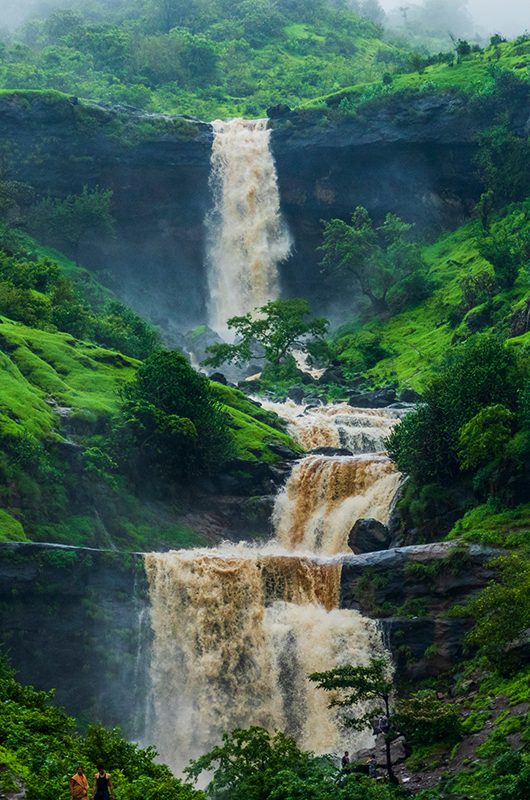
(360, 430)
(325, 496)
(235, 635)
(237, 630)
(247, 238)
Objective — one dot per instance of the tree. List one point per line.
(256, 765)
(361, 685)
(502, 610)
(425, 720)
(478, 373)
(484, 438)
(72, 220)
(170, 421)
(278, 328)
(507, 246)
(381, 261)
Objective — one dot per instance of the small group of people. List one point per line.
(102, 789)
(370, 768)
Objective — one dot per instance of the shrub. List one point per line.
(425, 720)
(170, 421)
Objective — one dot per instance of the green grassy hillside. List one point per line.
(416, 339)
(475, 73)
(59, 398)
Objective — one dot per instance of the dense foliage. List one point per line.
(34, 290)
(255, 765)
(171, 427)
(272, 332)
(40, 749)
(379, 261)
(206, 57)
(472, 423)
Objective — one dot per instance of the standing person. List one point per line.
(79, 785)
(103, 788)
(346, 761)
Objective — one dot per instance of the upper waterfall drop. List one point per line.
(247, 238)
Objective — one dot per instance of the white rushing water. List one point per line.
(238, 629)
(247, 238)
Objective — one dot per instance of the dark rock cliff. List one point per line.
(158, 170)
(413, 156)
(412, 591)
(76, 619)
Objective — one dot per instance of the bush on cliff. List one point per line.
(381, 262)
(433, 443)
(171, 425)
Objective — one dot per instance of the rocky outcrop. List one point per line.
(412, 590)
(77, 620)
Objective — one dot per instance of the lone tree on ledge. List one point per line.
(277, 328)
(361, 685)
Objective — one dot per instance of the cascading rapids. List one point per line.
(247, 238)
(238, 629)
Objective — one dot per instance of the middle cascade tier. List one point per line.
(325, 495)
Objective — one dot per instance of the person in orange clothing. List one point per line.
(79, 785)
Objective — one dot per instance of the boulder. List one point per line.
(368, 536)
(218, 377)
(398, 751)
(408, 395)
(520, 321)
(278, 111)
(331, 375)
(378, 398)
(296, 394)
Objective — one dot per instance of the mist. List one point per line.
(485, 16)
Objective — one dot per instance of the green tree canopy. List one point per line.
(365, 691)
(256, 765)
(479, 373)
(70, 222)
(501, 611)
(380, 261)
(170, 422)
(275, 329)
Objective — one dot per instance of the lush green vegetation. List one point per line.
(378, 261)
(272, 333)
(40, 749)
(255, 765)
(475, 73)
(210, 59)
(63, 474)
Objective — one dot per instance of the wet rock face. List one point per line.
(411, 590)
(368, 536)
(413, 157)
(76, 619)
(157, 169)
